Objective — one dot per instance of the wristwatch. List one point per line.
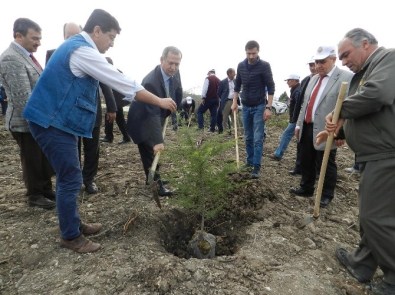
(268, 108)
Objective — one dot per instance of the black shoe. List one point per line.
(50, 195)
(123, 141)
(301, 192)
(220, 131)
(106, 139)
(295, 172)
(383, 288)
(164, 192)
(325, 202)
(341, 255)
(275, 158)
(164, 182)
(255, 173)
(91, 188)
(247, 168)
(41, 202)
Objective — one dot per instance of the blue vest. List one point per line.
(62, 100)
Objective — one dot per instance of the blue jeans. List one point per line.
(286, 137)
(61, 150)
(254, 127)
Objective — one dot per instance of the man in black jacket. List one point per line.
(145, 122)
(120, 118)
(298, 106)
(293, 83)
(254, 76)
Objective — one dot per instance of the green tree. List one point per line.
(204, 182)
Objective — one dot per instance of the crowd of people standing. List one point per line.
(52, 110)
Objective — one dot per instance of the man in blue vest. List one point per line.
(63, 107)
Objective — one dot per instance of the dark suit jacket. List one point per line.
(223, 91)
(145, 121)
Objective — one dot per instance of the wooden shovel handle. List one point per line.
(152, 170)
(328, 146)
(236, 139)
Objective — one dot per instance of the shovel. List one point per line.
(151, 173)
(236, 140)
(316, 213)
(190, 118)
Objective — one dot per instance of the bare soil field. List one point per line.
(266, 253)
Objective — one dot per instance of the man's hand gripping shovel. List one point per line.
(309, 219)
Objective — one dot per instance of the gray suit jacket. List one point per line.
(326, 104)
(18, 74)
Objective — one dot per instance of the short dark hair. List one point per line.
(22, 25)
(251, 45)
(104, 20)
(230, 70)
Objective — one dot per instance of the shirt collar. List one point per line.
(22, 48)
(89, 39)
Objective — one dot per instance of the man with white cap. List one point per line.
(293, 83)
(319, 99)
(187, 107)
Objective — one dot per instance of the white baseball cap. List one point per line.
(323, 52)
(292, 77)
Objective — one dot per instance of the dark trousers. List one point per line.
(37, 171)
(298, 161)
(311, 164)
(212, 106)
(91, 155)
(121, 122)
(4, 105)
(147, 157)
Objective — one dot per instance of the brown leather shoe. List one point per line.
(80, 245)
(90, 228)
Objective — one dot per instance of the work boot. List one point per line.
(80, 245)
(90, 228)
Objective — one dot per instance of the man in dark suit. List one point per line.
(319, 99)
(298, 106)
(120, 118)
(225, 93)
(145, 122)
(19, 73)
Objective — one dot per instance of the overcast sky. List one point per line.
(210, 33)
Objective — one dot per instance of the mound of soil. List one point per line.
(260, 249)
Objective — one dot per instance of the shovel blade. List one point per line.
(305, 221)
(155, 195)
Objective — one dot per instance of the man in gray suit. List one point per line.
(319, 99)
(19, 72)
